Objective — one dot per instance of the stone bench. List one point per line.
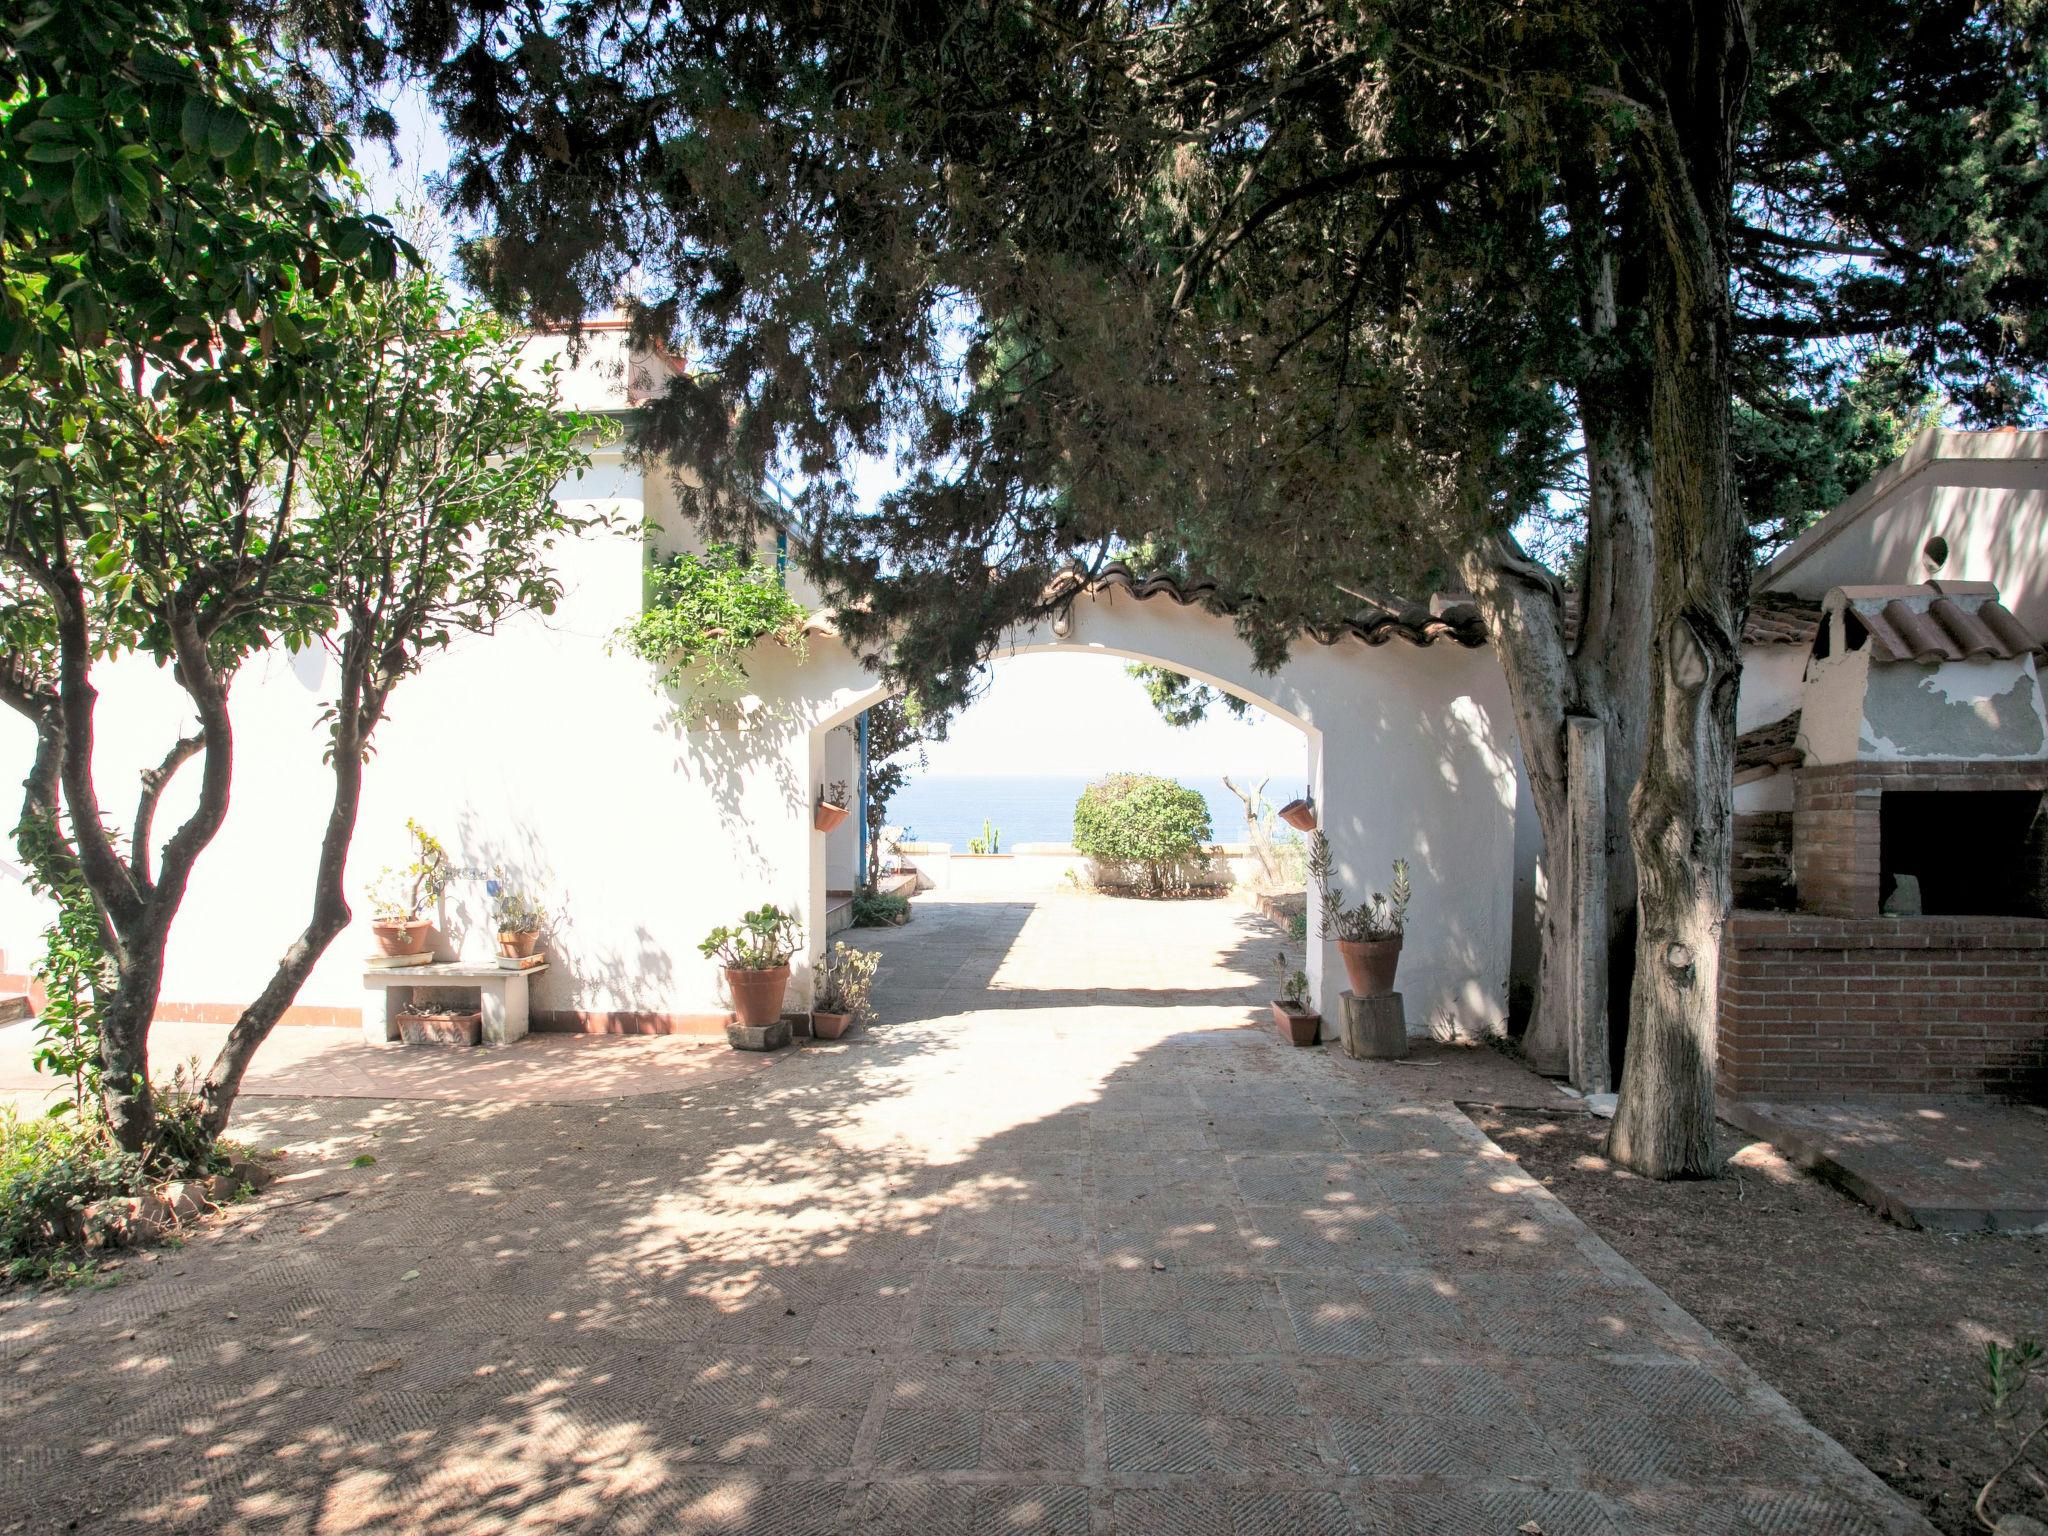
(503, 993)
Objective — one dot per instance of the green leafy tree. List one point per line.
(898, 731)
(1150, 829)
(175, 232)
(1323, 297)
(396, 494)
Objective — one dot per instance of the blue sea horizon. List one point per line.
(1039, 808)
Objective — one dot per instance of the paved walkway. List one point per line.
(300, 1060)
(1036, 1255)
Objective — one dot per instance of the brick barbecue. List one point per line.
(1917, 858)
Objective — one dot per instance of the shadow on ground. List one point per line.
(1134, 1269)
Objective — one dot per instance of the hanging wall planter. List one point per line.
(833, 807)
(1300, 815)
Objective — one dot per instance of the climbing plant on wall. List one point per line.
(704, 613)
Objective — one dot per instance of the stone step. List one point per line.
(14, 1007)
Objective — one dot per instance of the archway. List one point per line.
(1058, 716)
(1410, 754)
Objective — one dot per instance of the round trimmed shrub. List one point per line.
(1146, 831)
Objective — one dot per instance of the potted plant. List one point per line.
(1368, 935)
(1299, 814)
(401, 895)
(1298, 1023)
(519, 917)
(755, 957)
(833, 807)
(846, 978)
(439, 1024)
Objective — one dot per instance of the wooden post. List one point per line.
(1375, 1028)
(1585, 893)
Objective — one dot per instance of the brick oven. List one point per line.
(1917, 958)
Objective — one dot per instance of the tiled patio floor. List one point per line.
(1040, 1254)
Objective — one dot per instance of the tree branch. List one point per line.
(153, 782)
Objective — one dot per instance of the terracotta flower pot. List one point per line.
(829, 1026)
(518, 946)
(1297, 1025)
(1299, 814)
(826, 816)
(408, 936)
(1370, 964)
(757, 995)
(441, 1028)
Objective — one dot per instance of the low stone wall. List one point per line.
(1817, 1006)
(1041, 867)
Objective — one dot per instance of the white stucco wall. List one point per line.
(1986, 493)
(536, 752)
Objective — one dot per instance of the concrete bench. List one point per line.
(503, 993)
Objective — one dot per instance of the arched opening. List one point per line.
(1018, 923)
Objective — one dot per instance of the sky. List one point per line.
(1067, 714)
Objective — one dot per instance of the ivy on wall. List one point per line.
(704, 613)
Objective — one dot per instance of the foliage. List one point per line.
(1152, 828)
(835, 794)
(898, 729)
(879, 909)
(705, 612)
(372, 495)
(1378, 917)
(1297, 926)
(846, 981)
(2016, 1381)
(517, 910)
(990, 839)
(1179, 699)
(76, 973)
(163, 199)
(404, 892)
(52, 1168)
(1798, 452)
(763, 939)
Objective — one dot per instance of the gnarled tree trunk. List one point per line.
(1694, 72)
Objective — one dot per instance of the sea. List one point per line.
(1039, 808)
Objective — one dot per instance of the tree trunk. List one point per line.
(1524, 615)
(330, 914)
(1664, 1124)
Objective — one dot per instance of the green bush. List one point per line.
(1146, 831)
(53, 1166)
(879, 909)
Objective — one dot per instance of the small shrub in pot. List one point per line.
(1298, 1023)
(754, 954)
(1368, 935)
(846, 982)
(519, 917)
(401, 894)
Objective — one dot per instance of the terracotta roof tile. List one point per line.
(1375, 625)
(1764, 749)
(1963, 622)
(1774, 618)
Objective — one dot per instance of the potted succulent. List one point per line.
(1368, 935)
(519, 917)
(1298, 1023)
(401, 895)
(833, 807)
(755, 957)
(846, 978)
